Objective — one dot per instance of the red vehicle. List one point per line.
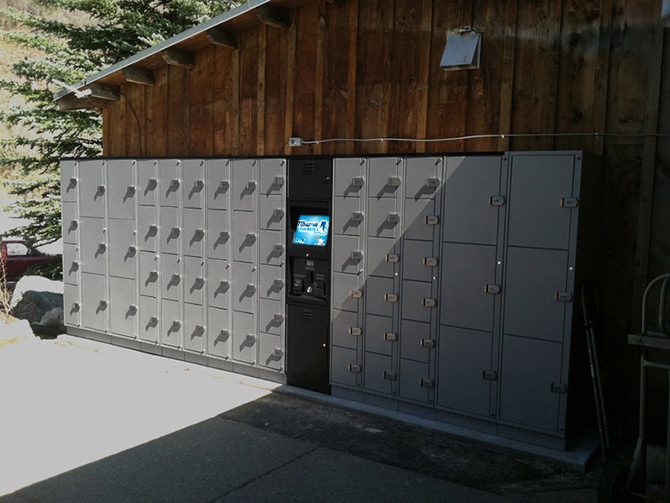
(17, 257)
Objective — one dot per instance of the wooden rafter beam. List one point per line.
(273, 16)
(137, 75)
(103, 92)
(71, 102)
(219, 36)
(175, 57)
(336, 2)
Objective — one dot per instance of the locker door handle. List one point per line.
(357, 216)
(102, 305)
(427, 343)
(390, 336)
(251, 237)
(101, 190)
(569, 202)
(251, 339)
(102, 247)
(392, 259)
(174, 184)
(278, 213)
(278, 284)
(73, 225)
(563, 296)
(356, 294)
(492, 289)
(175, 279)
(432, 220)
(429, 302)
(153, 230)
(198, 185)
(176, 325)
(251, 185)
(430, 261)
(355, 331)
(393, 181)
(433, 182)
(278, 318)
(224, 235)
(278, 248)
(496, 201)
(358, 181)
(391, 376)
(279, 180)
(223, 186)
(356, 255)
(559, 388)
(175, 232)
(153, 276)
(153, 321)
(251, 288)
(489, 375)
(278, 353)
(393, 218)
(152, 184)
(426, 383)
(72, 183)
(199, 233)
(356, 369)
(391, 297)
(75, 307)
(132, 310)
(74, 266)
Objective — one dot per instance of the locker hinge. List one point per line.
(559, 388)
(355, 331)
(427, 343)
(391, 376)
(390, 336)
(430, 261)
(489, 375)
(492, 289)
(392, 259)
(426, 383)
(356, 369)
(429, 302)
(391, 297)
(432, 220)
(496, 201)
(563, 296)
(569, 202)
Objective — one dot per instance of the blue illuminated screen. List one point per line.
(312, 230)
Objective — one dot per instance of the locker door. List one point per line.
(122, 248)
(71, 305)
(194, 280)
(271, 215)
(193, 232)
(170, 182)
(470, 183)
(218, 284)
(343, 286)
(123, 306)
(94, 305)
(347, 254)
(349, 175)
(244, 337)
(147, 182)
(219, 235)
(194, 328)
(412, 334)
(172, 326)
(69, 181)
(70, 222)
(271, 248)
(245, 238)
(271, 352)
(347, 216)
(414, 261)
(218, 333)
(194, 183)
(534, 279)
(271, 317)
(121, 186)
(379, 259)
(416, 301)
(344, 332)
(245, 181)
(378, 298)
(345, 368)
(384, 173)
(94, 247)
(464, 356)
(70, 264)
(92, 188)
(376, 328)
(421, 220)
(218, 184)
(538, 183)
(415, 381)
(530, 368)
(271, 282)
(244, 288)
(148, 228)
(272, 176)
(383, 218)
(377, 370)
(422, 177)
(171, 279)
(148, 274)
(148, 319)
(170, 230)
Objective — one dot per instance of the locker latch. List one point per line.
(251, 185)
(153, 321)
(393, 181)
(153, 276)
(74, 266)
(278, 284)
(198, 185)
(390, 336)
(559, 388)
(279, 180)
(131, 251)
(355, 331)
(101, 190)
(357, 216)
(358, 181)
(175, 279)
(132, 310)
(251, 288)
(426, 383)
(430, 261)
(492, 289)
(102, 247)
(356, 294)
(73, 183)
(489, 375)
(433, 182)
(278, 248)
(393, 259)
(174, 232)
(75, 307)
(251, 237)
(496, 200)
(174, 184)
(391, 297)
(250, 339)
(199, 234)
(224, 235)
(278, 318)
(428, 302)
(130, 191)
(393, 218)
(278, 353)
(356, 255)
(152, 184)
(427, 343)
(102, 305)
(223, 186)
(569, 202)
(391, 376)
(356, 369)
(153, 230)
(278, 213)
(73, 225)
(224, 285)
(432, 220)
(563, 296)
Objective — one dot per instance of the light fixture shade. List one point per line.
(462, 51)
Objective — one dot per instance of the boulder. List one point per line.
(34, 296)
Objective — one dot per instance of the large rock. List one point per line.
(34, 296)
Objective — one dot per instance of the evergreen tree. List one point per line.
(118, 29)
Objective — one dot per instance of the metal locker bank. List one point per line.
(441, 286)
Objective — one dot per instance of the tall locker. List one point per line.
(147, 238)
(71, 226)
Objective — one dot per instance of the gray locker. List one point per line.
(219, 234)
(272, 176)
(194, 280)
(349, 177)
(346, 331)
(122, 248)
(415, 381)
(218, 333)
(470, 213)
(245, 237)
(171, 326)
(171, 230)
(218, 284)
(93, 249)
(384, 218)
(72, 305)
(271, 248)
(193, 174)
(348, 216)
(271, 317)
(345, 368)
(422, 220)
(194, 328)
(384, 175)
(245, 289)
(92, 188)
(538, 185)
(465, 360)
(123, 307)
(94, 305)
(379, 334)
(271, 282)
(272, 213)
(418, 302)
(417, 259)
(422, 177)
(271, 352)
(71, 265)
(416, 341)
(346, 289)
(147, 181)
(536, 280)
(170, 182)
(69, 181)
(148, 319)
(347, 254)
(148, 274)
(245, 181)
(70, 222)
(244, 338)
(379, 373)
(530, 395)
(147, 232)
(193, 232)
(218, 184)
(466, 272)
(381, 296)
(122, 189)
(381, 257)
(171, 278)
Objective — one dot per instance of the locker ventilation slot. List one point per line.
(307, 314)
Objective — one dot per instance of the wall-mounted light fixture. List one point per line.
(462, 51)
